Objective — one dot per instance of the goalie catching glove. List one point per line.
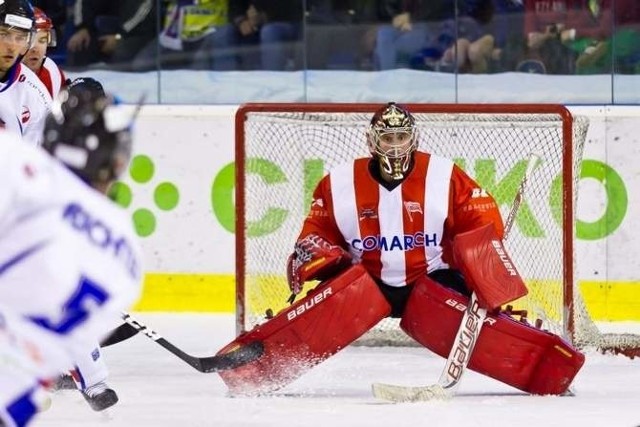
(314, 258)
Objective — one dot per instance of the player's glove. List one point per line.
(314, 258)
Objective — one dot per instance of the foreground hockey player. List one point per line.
(406, 234)
(69, 257)
(36, 58)
(90, 372)
(24, 100)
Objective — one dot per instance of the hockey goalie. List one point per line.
(407, 234)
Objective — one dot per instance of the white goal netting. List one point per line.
(283, 153)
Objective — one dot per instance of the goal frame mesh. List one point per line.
(568, 172)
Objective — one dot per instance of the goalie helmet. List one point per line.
(90, 134)
(392, 139)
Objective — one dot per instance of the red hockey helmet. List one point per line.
(44, 23)
(392, 139)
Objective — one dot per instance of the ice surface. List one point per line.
(158, 389)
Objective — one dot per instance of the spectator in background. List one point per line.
(559, 31)
(262, 34)
(622, 49)
(339, 34)
(451, 36)
(407, 31)
(466, 41)
(506, 27)
(111, 31)
(187, 23)
(36, 58)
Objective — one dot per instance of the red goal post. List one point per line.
(282, 150)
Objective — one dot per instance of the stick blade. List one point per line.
(233, 359)
(400, 394)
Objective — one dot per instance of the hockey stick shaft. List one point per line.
(468, 332)
(230, 360)
(474, 315)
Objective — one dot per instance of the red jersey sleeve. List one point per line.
(320, 219)
(471, 206)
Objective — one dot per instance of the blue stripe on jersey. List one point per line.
(21, 256)
(22, 409)
(12, 76)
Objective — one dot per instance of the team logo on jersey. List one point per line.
(2, 124)
(477, 193)
(317, 209)
(404, 242)
(367, 213)
(99, 234)
(26, 114)
(22, 78)
(411, 208)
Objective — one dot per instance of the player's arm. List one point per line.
(478, 251)
(487, 267)
(471, 206)
(319, 251)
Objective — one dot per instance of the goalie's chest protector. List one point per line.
(396, 234)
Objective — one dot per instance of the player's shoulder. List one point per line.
(27, 167)
(33, 86)
(51, 65)
(349, 166)
(434, 160)
(13, 147)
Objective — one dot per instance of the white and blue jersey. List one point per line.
(70, 262)
(24, 103)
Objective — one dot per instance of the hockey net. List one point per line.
(282, 151)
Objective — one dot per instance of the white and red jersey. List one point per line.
(70, 261)
(405, 232)
(52, 76)
(25, 103)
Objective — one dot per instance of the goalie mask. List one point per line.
(392, 139)
(90, 134)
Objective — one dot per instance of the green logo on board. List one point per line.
(165, 195)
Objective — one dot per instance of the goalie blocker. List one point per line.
(513, 352)
(330, 317)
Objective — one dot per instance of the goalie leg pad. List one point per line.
(330, 317)
(516, 353)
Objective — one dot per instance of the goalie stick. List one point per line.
(467, 335)
(231, 360)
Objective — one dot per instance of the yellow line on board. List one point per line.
(612, 300)
(606, 300)
(188, 292)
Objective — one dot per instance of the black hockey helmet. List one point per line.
(90, 133)
(17, 14)
(394, 157)
(85, 83)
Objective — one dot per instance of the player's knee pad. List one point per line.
(329, 318)
(508, 350)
